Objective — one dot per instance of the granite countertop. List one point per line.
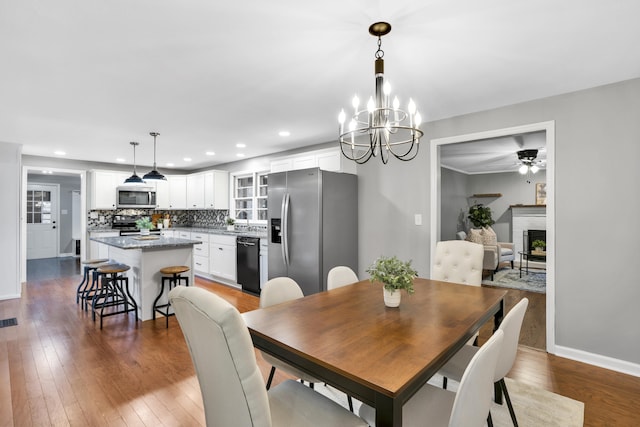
(242, 233)
(145, 242)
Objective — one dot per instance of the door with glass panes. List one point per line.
(42, 221)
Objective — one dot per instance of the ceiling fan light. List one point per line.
(523, 169)
(534, 169)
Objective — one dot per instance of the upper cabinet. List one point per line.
(216, 190)
(177, 191)
(330, 159)
(195, 191)
(103, 188)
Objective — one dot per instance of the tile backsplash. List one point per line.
(206, 218)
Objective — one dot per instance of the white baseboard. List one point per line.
(5, 297)
(66, 255)
(599, 360)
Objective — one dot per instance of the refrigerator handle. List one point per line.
(285, 229)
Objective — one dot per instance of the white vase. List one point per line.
(144, 231)
(391, 298)
(230, 227)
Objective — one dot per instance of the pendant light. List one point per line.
(154, 174)
(134, 179)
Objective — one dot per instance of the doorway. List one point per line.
(549, 129)
(42, 220)
(69, 216)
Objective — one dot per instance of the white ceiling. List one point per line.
(87, 76)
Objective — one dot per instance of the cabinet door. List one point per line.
(177, 192)
(162, 194)
(221, 189)
(195, 191)
(223, 261)
(103, 188)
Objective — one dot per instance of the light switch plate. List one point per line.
(418, 219)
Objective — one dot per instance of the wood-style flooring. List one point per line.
(58, 368)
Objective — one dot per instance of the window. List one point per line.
(250, 197)
(38, 207)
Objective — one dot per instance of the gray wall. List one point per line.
(597, 147)
(456, 189)
(10, 174)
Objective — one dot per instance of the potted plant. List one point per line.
(480, 216)
(144, 224)
(539, 245)
(230, 223)
(395, 275)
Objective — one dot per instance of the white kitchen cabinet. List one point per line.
(99, 250)
(195, 191)
(177, 192)
(103, 188)
(201, 252)
(182, 234)
(162, 193)
(216, 190)
(328, 159)
(222, 256)
(166, 233)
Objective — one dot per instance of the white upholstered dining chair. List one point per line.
(231, 383)
(458, 261)
(340, 276)
(276, 291)
(511, 326)
(469, 407)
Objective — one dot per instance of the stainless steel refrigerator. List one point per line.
(313, 225)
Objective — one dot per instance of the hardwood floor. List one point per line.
(58, 368)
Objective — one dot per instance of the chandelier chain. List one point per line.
(379, 53)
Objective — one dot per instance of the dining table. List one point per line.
(379, 355)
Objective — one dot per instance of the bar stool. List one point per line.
(113, 292)
(89, 265)
(92, 290)
(173, 276)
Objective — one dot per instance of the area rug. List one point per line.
(535, 281)
(534, 407)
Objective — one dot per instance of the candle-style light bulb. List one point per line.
(386, 88)
(341, 117)
(370, 105)
(396, 103)
(418, 119)
(412, 107)
(355, 102)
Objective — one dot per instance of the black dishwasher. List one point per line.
(248, 264)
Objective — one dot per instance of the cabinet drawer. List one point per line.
(184, 234)
(201, 250)
(201, 263)
(203, 237)
(221, 239)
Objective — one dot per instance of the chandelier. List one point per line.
(382, 128)
(528, 163)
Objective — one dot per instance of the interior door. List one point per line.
(42, 221)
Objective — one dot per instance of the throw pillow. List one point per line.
(489, 236)
(475, 236)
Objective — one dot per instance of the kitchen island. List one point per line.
(146, 255)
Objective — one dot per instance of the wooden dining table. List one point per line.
(381, 356)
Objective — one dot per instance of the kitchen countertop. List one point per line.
(145, 242)
(242, 233)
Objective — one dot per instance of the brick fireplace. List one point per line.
(526, 219)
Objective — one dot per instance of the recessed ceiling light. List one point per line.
(47, 172)
(284, 133)
(170, 165)
(210, 153)
(240, 155)
(241, 145)
(187, 159)
(120, 159)
(59, 153)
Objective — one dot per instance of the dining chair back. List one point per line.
(231, 383)
(277, 291)
(458, 261)
(469, 407)
(340, 276)
(473, 399)
(510, 326)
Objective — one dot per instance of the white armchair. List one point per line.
(494, 255)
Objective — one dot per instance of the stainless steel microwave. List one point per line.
(136, 197)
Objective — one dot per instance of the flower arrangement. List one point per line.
(393, 274)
